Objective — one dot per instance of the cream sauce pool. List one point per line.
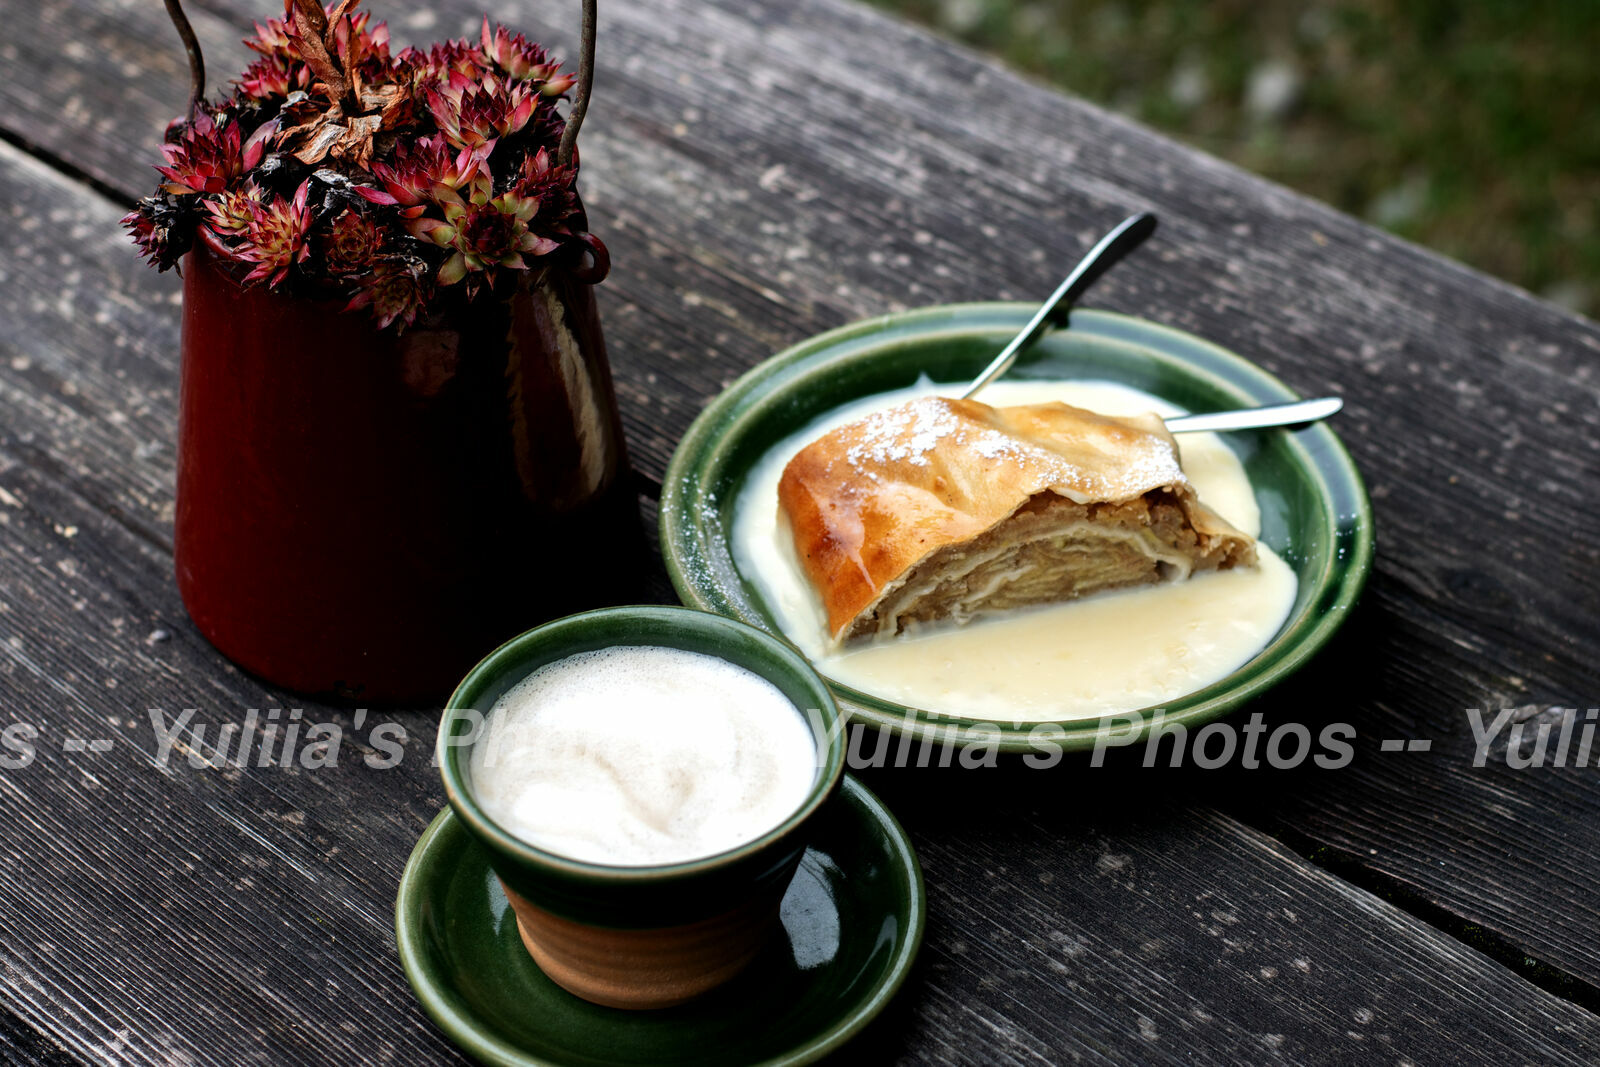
(1101, 655)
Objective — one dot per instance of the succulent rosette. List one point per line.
(338, 169)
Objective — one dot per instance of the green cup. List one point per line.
(642, 936)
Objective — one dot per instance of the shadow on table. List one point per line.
(1328, 698)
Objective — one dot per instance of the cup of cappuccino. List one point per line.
(642, 779)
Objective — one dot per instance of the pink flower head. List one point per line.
(484, 233)
(206, 159)
(394, 290)
(231, 213)
(270, 77)
(523, 60)
(275, 239)
(424, 173)
(472, 114)
(352, 244)
(550, 186)
(435, 66)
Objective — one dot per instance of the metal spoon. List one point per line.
(1130, 234)
(1256, 418)
(1112, 247)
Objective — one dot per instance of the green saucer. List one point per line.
(852, 921)
(1314, 509)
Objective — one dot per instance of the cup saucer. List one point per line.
(852, 921)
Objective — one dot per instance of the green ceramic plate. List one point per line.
(852, 922)
(1314, 509)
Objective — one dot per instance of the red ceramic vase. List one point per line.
(363, 514)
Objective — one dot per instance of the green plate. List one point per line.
(852, 921)
(1314, 509)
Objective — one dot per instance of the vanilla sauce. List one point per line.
(1104, 654)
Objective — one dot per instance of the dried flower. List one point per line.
(484, 232)
(356, 42)
(362, 44)
(351, 245)
(275, 238)
(413, 176)
(207, 158)
(474, 114)
(272, 40)
(161, 229)
(523, 60)
(394, 290)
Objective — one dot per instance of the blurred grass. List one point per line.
(1471, 127)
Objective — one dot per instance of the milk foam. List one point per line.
(642, 755)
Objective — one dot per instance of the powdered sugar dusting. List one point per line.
(1064, 662)
(763, 544)
(992, 444)
(910, 433)
(904, 434)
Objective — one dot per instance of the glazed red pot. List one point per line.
(363, 514)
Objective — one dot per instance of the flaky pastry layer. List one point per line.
(944, 509)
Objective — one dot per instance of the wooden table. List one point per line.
(763, 170)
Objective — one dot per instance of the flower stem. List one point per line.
(580, 103)
(197, 62)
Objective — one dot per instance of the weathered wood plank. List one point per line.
(147, 912)
(812, 182)
(242, 916)
(123, 862)
(206, 914)
(1122, 941)
(993, 988)
(761, 172)
(95, 84)
(26, 1047)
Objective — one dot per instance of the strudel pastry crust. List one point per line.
(947, 509)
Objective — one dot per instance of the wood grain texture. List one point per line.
(1043, 926)
(811, 181)
(94, 85)
(149, 913)
(26, 1047)
(193, 915)
(765, 171)
(243, 916)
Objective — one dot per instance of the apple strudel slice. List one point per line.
(943, 509)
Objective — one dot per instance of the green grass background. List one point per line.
(1472, 127)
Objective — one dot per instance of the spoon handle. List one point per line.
(1255, 418)
(1112, 247)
